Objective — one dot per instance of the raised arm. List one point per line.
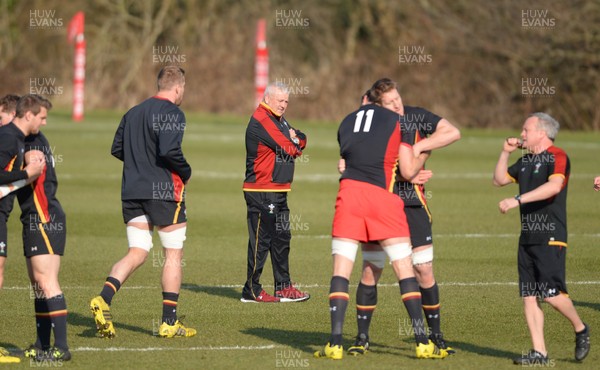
(501, 176)
(445, 134)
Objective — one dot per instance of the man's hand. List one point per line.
(511, 144)
(294, 137)
(506, 204)
(341, 165)
(36, 162)
(597, 183)
(411, 161)
(422, 177)
(416, 149)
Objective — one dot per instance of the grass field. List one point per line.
(475, 260)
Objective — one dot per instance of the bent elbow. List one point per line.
(557, 190)
(457, 135)
(500, 182)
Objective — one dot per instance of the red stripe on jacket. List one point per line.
(41, 200)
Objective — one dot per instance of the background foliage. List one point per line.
(479, 53)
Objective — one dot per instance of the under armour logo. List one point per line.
(362, 317)
(271, 208)
(2, 247)
(334, 308)
(33, 249)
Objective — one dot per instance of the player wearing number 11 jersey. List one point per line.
(367, 210)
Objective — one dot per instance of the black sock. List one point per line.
(338, 302)
(585, 329)
(411, 296)
(430, 298)
(170, 307)
(57, 308)
(111, 287)
(42, 323)
(366, 301)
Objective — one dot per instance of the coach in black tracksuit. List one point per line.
(271, 147)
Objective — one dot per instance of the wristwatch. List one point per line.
(518, 198)
(296, 140)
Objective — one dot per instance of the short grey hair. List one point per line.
(547, 124)
(276, 86)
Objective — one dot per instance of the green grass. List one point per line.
(475, 259)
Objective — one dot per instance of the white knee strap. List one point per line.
(423, 256)
(377, 258)
(398, 251)
(139, 238)
(344, 248)
(173, 239)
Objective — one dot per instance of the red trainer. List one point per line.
(263, 297)
(291, 294)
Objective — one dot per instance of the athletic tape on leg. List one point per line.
(173, 239)
(141, 219)
(423, 256)
(376, 258)
(139, 238)
(344, 248)
(398, 251)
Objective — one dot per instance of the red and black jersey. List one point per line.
(12, 149)
(416, 124)
(148, 141)
(38, 200)
(369, 141)
(270, 152)
(545, 221)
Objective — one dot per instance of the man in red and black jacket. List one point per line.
(272, 145)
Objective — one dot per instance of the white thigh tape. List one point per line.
(424, 256)
(398, 251)
(343, 248)
(139, 238)
(173, 239)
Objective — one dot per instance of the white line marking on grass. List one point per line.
(156, 349)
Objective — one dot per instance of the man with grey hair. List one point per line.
(272, 145)
(542, 175)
